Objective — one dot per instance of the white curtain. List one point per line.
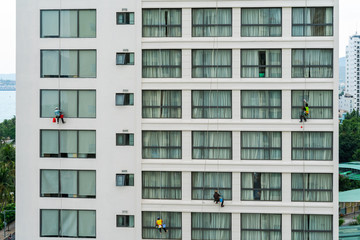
(261, 22)
(49, 101)
(315, 21)
(50, 63)
(206, 226)
(50, 23)
(212, 145)
(87, 23)
(173, 221)
(161, 144)
(312, 146)
(263, 186)
(212, 22)
(251, 67)
(247, 181)
(69, 103)
(211, 104)
(68, 223)
(68, 144)
(205, 183)
(256, 226)
(49, 143)
(87, 183)
(69, 63)
(49, 223)
(69, 23)
(87, 104)
(87, 144)
(161, 104)
(68, 183)
(312, 63)
(161, 63)
(161, 22)
(311, 187)
(320, 103)
(87, 223)
(311, 227)
(87, 63)
(49, 182)
(212, 63)
(161, 185)
(261, 146)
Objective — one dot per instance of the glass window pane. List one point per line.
(49, 101)
(50, 23)
(87, 63)
(50, 63)
(49, 143)
(69, 23)
(69, 183)
(161, 144)
(87, 23)
(68, 144)
(49, 223)
(161, 63)
(173, 221)
(87, 144)
(87, 183)
(87, 104)
(69, 103)
(87, 223)
(68, 221)
(49, 182)
(69, 63)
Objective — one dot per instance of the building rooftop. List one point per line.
(350, 196)
(349, 233)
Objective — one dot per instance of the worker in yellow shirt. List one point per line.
(160, 225)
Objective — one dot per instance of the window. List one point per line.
(206, 226)
(68, 143)
(161, 144)
(125, 18)
(161, 103)
(314, 21)
(261, 104)
(67, 223)
(161, 185)
(312, 63)
(124, 179)
(306, 226)
(261, 63)
(261, 22)
(261, 186)
(214, 22)
(68, 63)
(311, 187)
(124, 99)
(173, 221)
(124, 58)
(72, 103)
(212, 145)
(161, 22)
(212, 63)
(124, 139)
(211, 104)
(68, 23)
(205, 183)
(68, 183)
(261, 145)
(124, 221)
(320, 103)
(161, 63)
(260, 226)
(312, 146)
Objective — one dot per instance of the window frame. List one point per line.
(261, 189)
(162, 66)
(59, 222)
(304, 25)
(59, 100)
(161, 187)
(127, 220)
(202, 229)
(130, 97)
(209, 107)
(167, 26)
(168, 226)
(312, 231)
(210, 66)
(304, 66)
(127, 137)
(92, 155)
(125, 13)
(262, 25)
(59, 18)
(305, 190)
(261, 66)
(59, 194)
(262, 148)
(269, 100)
(208, 148)
(312, 107)
(59, 59)
(127, 59)
(161, 107)
(217, 25)
(127, 178)
(210, 188)
(169, 147)
(261, 230)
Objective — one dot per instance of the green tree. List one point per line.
(7, 129)
(349, 138)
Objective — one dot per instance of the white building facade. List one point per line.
(162, 106)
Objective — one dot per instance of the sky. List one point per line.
(349, 24)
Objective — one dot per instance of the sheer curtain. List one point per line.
(49, 223)
(69, 103)
(252, 68)
(260, 226)
(261, 146)
(319, 182)
(312, 146)
(313, 227)
(260, 104)
(161, 144)
(87, 63)
(69, 23)
(49, 101)
(205, 183)
(69, 63)
(87, 183)
(247, 181)
(49, 182)
(68, 144)
(316, 21)
(173, 221)
(212, 22)
(161, 63)
(161, 104)
(212, 63)
(69, 183)
(50, 64)
(87, 223)
(206, 226)
(298, 186)
(87, 23)
(49, 143)
(50, 23)
(211, 104)
(87, 144)
(87, 104)
(261, 22)
(68, 223)
(312, 63)
(271, 181)
(212, 145)
(161, 22)
(161, 185)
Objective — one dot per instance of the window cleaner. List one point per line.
(58, 115)
(160, 225)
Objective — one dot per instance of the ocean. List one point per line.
(7, 104)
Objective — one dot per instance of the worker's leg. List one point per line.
(62, 120)
(57, 119)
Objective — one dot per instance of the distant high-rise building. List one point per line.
(164, 103)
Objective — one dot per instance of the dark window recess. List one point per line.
(124, 139)
(124, 179)
(125, 18)
(123, 99)
(124, 221)
(124, 58)
(262, 63)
